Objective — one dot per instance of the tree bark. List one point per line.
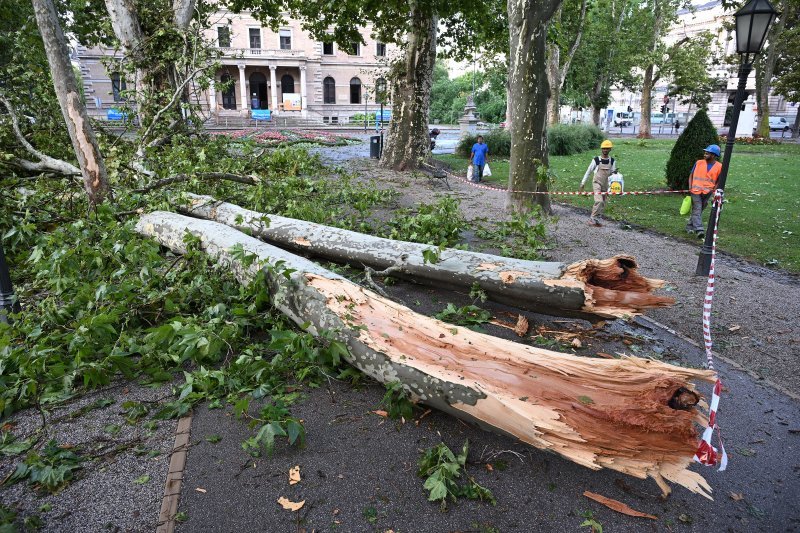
(90, 161)
(529, 91)
(557, 72)
(408, 141)
(600, 413)
(606, 288)
(127, 29)
(649, 78)
(765, 73)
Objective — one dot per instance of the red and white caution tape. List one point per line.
(568, 193)
(706, 453)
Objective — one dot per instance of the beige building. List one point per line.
(288, 73)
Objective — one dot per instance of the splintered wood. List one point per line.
(632, 415)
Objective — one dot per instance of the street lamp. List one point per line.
(752, 24)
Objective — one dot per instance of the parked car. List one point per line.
(779, 123)
(503, 125)
(623, 119)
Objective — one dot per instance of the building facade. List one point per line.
(286, 72)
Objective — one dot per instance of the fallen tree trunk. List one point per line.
(607, 288)
(636, 416)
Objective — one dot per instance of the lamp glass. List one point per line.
(752, 24)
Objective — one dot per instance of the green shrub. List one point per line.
(568, 139)
(498, 141)
(698, 134)
(564, 139)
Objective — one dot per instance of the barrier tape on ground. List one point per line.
(706, 453)
(569, 193)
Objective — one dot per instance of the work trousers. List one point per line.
(599, 200)
(699, 203)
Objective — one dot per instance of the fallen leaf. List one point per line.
(489, 468)
(737, 496)
(685, 518)
(604, 354)
(294, 475)
(734, 328)
(198, 489)
(335, 512)
(521, 328)
(576, 343)
(600, 325)
(381, 412)
(617, 505)
(290, 505)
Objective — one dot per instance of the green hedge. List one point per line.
(563, 139)
(498, 141)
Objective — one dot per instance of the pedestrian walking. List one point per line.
(600, 168)
(702, 182)
(478, 157)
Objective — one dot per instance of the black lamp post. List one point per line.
(7, 301)
(752, 24)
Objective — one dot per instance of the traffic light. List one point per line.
(664, 109)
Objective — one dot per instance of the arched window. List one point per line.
(355, 91)
(287, 84)
(329, 91)
(229, 93)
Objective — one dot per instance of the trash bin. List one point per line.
(375, 147)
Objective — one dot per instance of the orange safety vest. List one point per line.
(703, 180)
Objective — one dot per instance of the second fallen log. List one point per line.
(610, 288)
(620, 414)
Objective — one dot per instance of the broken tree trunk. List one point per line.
(629, 415)
(609, 288)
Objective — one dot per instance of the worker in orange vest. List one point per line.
(702, 183)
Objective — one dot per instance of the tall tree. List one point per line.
(787, 81)
(529, 91)
(565, 38)
(767, 62)
(93, 170)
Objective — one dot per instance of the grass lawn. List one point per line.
(761, 218)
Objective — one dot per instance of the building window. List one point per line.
(255, 38)
(286, 39)
(118, 85)
(224, 36)
(355, 49)
(380, 49)
(229, 93)
(355, 91)
(287, 84)
(329, 91)
(327, 49)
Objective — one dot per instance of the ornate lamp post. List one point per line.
(752, 24)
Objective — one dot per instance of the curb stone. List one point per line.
(172, 488)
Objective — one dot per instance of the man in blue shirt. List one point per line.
(480, 153)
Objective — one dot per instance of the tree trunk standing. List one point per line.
(556, 72)
(765, 73)
(184, 11)
(796, 128)
(647, 90)
(649, 78)
(125, 23)
(554, 80)
(90, 161)
(529, 90)
(408, 142)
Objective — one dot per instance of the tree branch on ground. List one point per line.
(249, 180)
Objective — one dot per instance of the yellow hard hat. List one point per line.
(606, 144)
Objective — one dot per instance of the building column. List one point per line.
(303, 99)
(243, 89)
(273, 87)
(212, 98)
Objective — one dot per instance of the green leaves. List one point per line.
(275, 422)
(469, 315)
(441, 469)
(396, 402)
(10, 445)
(49, 470)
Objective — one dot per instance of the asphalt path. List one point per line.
(359, 470)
